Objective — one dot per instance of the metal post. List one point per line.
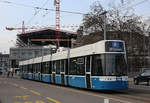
(68, 56)
(148, 46)
(105, 25)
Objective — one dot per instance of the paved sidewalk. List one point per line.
(5, 76)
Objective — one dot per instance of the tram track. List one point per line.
(136, 99)
(124, 96)
(128, 95)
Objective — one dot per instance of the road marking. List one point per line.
(34, 92)
(39, 102)
(17, 102)
(22, 97)
(27, 102)
(23, 87)
(53, 100)
(16, 85)
(4, 82)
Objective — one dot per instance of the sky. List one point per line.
(13, 12)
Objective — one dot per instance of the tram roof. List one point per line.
(96, 48)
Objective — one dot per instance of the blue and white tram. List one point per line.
(98, 66)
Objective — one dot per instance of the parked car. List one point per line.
(143, 77)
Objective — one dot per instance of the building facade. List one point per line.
(25, 53)
(4, 61)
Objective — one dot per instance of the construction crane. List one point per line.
(22, 28)
(57, 4)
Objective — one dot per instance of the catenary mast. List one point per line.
(57, 4)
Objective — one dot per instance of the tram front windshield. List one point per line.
(115, 65)
(109, 65)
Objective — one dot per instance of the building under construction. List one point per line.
(31, 44)
(44, 37)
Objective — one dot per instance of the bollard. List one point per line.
(106, 100)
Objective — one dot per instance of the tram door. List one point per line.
(40, 74)
(34, 71)
(88, 71)
(62, 78)
(54, 72)
(62, 72)
(39, 71)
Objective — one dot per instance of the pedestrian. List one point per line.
(12, 72)
(8, 72)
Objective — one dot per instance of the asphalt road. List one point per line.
(15, 90)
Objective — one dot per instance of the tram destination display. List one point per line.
(113, 46)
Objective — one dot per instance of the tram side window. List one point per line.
(45, 68)
(25, 68)
(73, 66)
(53, 66)
(47, 71)
(66, 66)
(96, 66)
(88, 64)
(62, 65)
(58, 67)
(20, 67)
(50, 67)
(34, 68)
(30, 68)
(77, 66)
(38, 67)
